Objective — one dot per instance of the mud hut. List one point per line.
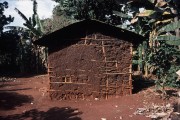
(90, 59)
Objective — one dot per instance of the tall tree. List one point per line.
(3, 19)
(55, 23)
(84, 9)
(28, 51)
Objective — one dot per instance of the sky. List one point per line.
(44, 10)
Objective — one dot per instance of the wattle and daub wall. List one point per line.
(96, 66)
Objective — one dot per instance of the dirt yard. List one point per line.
(26, 98)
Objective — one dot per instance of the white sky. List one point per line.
(44, 10)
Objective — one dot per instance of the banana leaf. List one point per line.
(146, 13)
(161, 4)
(152, 1)
(134, 20)
(120, 14)
(39, 25)
(174, 42)
(166, 13)
(23, 16)
(137, 62)
(34, 20)
(16, 28)
(168, 37)
(163, 21)
(35, 7)
(170, 27)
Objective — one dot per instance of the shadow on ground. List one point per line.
(20, 75)
(10, 100)
(15, 89)
(7, 85)
(54, 113)
(140, 84)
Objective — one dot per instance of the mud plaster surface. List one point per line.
(83, 63)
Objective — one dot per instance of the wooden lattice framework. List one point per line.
(120, 87)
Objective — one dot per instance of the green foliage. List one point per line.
(56, 23)
(174, 42)
(140, 56)
(22, 16)
(85, 9)
(170, 27)
(172, 77)
(170, 38)
(162, 55)
(3, 19)
(30, 58)
(31, 23)
(166, 62)
(120, 14)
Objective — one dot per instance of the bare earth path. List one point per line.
(27, 99)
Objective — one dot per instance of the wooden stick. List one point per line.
(49, 78)
(116, 88)
(85, 45)
(103, 61)
(50, 67)
(105, 46)
(130, 70)
(69, 83)
(85, 42)
(117, 73)
(116, 65)
(97, 39)
(107, 88)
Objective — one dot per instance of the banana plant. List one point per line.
(164, 33)
(33, 23)
(163, 53)
(32, 32)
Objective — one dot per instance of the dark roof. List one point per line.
(79, 29)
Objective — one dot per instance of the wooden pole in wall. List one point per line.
(105, 60)
(85, 42)
(116, 80)
(116, 88)
(49, 79)
(130, 70)
(107, 89)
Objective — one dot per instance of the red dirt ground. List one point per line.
(27, 99)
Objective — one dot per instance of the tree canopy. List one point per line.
(4, 20)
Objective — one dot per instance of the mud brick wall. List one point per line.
(83, 67)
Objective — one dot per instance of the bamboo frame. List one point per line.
(95, 39)
(105, 59)
(69, 83)
(49, 71)
(116, 86)
(108, 71)
(117, 73)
